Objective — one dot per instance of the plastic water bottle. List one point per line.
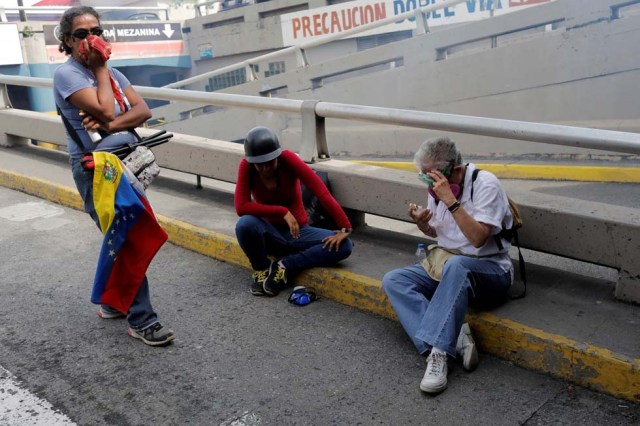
(94, 135)
(421, 253)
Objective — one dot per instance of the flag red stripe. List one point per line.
(143, 242)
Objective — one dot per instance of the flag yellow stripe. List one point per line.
(106, 178)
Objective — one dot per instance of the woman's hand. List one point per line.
(334, 240)
(92, 58)
(91, 123)
(294, 227)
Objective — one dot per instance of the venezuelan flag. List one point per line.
(132, 234)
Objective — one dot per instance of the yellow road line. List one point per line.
(580, 363)
(539, 171)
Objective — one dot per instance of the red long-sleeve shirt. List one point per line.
(274, 205)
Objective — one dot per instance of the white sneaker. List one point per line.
(466, 348)
(435, 378)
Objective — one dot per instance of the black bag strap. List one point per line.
(72, 132)
(498, 239)
(155, 139)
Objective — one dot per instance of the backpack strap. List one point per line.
(508, 234)
(521, 266)
(500, 235)
(474, 176)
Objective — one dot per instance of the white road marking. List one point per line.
(50, 224)
(28, 211)
(246, 419)
(19, 407)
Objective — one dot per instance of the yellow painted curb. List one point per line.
(580, 363)
(359, 291)
(59, 194)
(539, 171)
(587, 365)
(204, 241)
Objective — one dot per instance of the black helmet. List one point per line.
(261, 145)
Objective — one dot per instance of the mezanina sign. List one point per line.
(126, 33)
(129, 41)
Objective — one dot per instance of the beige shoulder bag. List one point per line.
(435, 260)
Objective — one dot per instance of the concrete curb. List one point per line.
(576, 362)
(539, 171)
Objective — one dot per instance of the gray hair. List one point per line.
(440, 152)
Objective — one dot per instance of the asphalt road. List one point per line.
(237, 359)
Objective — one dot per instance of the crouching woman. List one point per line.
(273, 221)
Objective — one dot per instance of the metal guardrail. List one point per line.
(224, 5)
(422, 27)
(314, 144)
(198, 6)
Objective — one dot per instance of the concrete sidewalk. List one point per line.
(569, 325)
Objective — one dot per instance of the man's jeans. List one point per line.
(141, 313)
(260, 239)
(432, 313)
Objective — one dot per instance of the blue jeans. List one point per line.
(141, 314)
(260, 239)
(432, 313)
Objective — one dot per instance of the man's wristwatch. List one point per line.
(346, 230)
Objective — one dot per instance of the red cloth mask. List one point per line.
(104, 48)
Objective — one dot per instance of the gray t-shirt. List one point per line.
(68, 79)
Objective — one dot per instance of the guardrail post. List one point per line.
(5, 102)
(7, 140)
(301, 57)
(422, 26)
(251, 72)
(314, 139)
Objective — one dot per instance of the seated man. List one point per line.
(465, 216)
(273, 219)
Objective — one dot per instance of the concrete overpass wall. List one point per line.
(234, 35)
(567, 62)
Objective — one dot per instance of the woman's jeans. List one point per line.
(432, 313)
(260, 239)
(141, 313)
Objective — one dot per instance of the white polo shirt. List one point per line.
(490, 206)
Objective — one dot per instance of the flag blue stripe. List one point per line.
(128, 209)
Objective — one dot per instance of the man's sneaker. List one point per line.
(435, 377)
(466, 348)
(259, 277)
(276, 280)
(106, 312)
(154, 335)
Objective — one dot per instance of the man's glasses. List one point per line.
(82, 33)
